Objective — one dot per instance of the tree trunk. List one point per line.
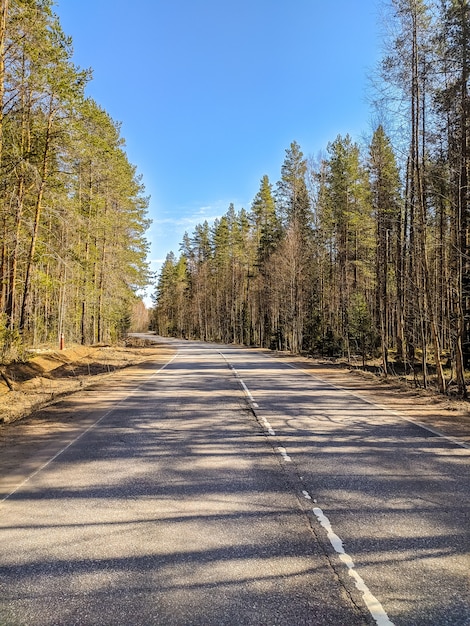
(37, 216)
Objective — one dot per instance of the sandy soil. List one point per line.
(26, 387)
(29, 393)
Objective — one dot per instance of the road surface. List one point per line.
(229, 487)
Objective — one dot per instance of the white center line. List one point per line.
(376, 609)
(374, 606)
(284, 454)
(268, 426)
(248, 393)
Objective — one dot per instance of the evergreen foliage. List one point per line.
(72, 209)
(366, 253)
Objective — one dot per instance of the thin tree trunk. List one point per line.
(37, 218)
(3, 259)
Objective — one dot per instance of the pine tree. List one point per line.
(386, 203)
(267, 234)
(292, 260)
(347, 222)
(453, 103)
(265, 221)
(291, 194)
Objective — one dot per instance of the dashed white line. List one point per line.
(284, 454)
(248, 393)
(374, 606)
(268, 426)
(376, 609)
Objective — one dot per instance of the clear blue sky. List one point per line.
(210, 93)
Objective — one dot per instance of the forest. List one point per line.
(73, 213)
(363, 252)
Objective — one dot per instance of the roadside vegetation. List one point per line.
(361, 253)
(73, 213)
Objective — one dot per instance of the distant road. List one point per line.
(226, 488)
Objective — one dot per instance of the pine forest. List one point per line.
(362, 252)
(73, 213)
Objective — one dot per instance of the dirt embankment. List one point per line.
(48, 375)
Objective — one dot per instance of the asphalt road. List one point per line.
(231, 488)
